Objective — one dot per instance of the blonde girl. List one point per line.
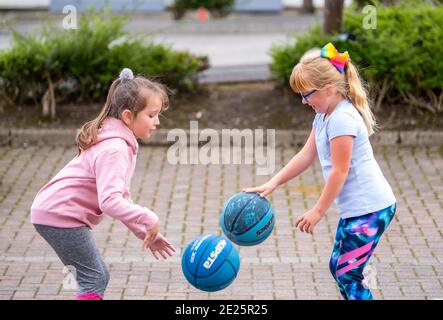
(329, 82)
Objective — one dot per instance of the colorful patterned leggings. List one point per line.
(354, 244)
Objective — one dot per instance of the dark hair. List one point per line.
(126, 92)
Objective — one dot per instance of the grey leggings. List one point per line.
(76, 248)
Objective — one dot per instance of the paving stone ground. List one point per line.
(188, 198)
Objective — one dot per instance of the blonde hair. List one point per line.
(125, 93)
(314, 72)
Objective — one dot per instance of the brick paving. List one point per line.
(188, 198)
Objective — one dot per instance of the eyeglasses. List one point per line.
(307, 95)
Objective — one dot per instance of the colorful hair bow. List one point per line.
(337, 59)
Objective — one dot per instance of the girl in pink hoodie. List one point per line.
(96, 183)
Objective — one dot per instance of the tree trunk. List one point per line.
(333, 16)
(308, 7)
(381, 94)
(5, 101)
(48, 101)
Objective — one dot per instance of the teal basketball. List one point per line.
(210, 263)
(247, 219)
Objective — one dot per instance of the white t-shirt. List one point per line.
(365, 189)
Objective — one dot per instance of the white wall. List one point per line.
(317, 3)
(288, 3)
(22, 4)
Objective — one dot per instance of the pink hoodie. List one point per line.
(95, 183)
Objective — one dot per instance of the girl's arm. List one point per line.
(341, 155)
(111, 167)
(299, 163)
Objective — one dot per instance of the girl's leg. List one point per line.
(359, 237)
(335, 254)
(76, 247)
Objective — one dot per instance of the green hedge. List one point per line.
(401, 59)
(79, 65)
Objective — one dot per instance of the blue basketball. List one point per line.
(247, 219)
(210, 263)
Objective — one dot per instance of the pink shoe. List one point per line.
(89, 296)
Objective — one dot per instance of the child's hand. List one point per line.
(307, 221)
(151, 234)
(264, 189)
(161, 245)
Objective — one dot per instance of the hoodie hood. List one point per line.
(114, 128)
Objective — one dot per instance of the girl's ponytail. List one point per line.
(320, 67)
(358, 95)
(87, 134)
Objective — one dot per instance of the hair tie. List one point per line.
(126, 73)
(337, 59)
